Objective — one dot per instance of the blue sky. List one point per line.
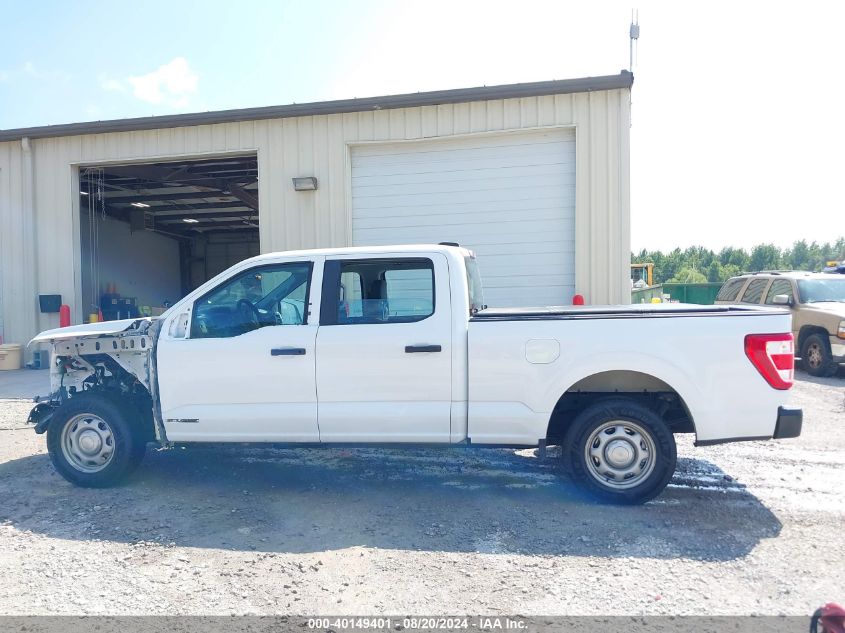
(67, 62)
(737, 132)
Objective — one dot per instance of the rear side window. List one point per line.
(779, 287)
(409, 292)
(730, 290)
(379, 291)
(754, 292)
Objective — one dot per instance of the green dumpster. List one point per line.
(702, 294)
(645, 295)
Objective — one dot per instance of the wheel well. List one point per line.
(643, 388)
(122, 387)
(806, 331)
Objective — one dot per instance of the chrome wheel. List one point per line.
(814, 355)
(620, 454)
(87, 443)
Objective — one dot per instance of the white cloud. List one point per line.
(172, 84)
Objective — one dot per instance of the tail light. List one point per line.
(774, 357)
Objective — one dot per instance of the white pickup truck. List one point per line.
(393, 345)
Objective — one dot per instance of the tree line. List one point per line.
(698, 264)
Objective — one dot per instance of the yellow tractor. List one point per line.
(642, 275)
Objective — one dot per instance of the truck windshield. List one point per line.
(476, 295)
(817, 290)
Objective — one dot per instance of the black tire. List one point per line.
(123, 435)
(816, 356)
(628, 426)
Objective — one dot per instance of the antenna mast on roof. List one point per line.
(634, 34)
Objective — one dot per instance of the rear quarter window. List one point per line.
(730, 290)
(754, 292)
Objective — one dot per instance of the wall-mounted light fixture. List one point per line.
(140, 205)
(308, 183)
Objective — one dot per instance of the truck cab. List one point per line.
(373, 336)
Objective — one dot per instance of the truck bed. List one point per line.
(521, 361)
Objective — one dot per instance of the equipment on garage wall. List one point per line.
(49, 304)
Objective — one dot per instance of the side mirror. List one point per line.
(782, 300)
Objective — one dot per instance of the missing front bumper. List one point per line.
(40, 416)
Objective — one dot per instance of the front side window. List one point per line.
(385, 291)
(779, 287)
(754, 292)
(268, 295)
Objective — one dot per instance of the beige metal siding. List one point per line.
(40, 207)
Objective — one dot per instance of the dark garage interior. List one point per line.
(150, 233)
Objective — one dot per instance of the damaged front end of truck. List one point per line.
(116, 358)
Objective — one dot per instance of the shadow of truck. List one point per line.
(311, 500)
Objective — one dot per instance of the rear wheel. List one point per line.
(94, 441)
(620, 451)
(816, 356)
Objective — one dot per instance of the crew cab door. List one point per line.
(384, 369)
(238, 363)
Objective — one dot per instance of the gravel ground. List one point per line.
(750, 528)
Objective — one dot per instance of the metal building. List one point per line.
(534, 177)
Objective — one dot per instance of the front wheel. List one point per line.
(94, 441)
(817, 357)
(620, 451)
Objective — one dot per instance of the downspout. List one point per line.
(29, 272)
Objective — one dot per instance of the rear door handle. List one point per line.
(287, 351)
(415, 349)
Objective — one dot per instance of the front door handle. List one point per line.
(415, 349)
(287, 351)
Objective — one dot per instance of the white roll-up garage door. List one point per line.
(508, 197)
